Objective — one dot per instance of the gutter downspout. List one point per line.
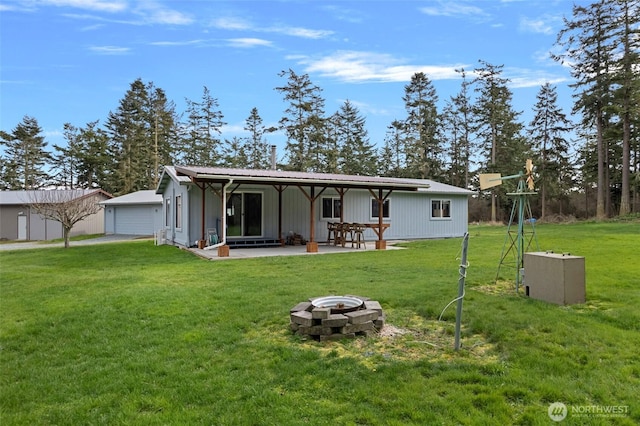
(223, 241)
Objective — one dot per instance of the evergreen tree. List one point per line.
(458, 126)
(25, 156)
(200, 143)
(128, 130)
(393, 156)
(235, 153)
(66, 159)
(626, 36)
(303, 123)
(547, 133)
(422, 124)
(587, 167)
(333, 149)
(95, 162)
(257, 148)
(357, 155)
(502, 147)
(163, 126)
(142, 132)
(589, 49)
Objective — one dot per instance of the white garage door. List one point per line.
(135, 220)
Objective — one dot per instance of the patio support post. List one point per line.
(312, 246)
(341, 192)
(280, 189)
(381, 244)
(202, 218)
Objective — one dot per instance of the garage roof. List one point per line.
(138, 197)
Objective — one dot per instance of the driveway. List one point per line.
(42, 244)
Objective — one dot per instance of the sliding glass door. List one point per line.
(244, 215)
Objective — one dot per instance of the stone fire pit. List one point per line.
(337, 317)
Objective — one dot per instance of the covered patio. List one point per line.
(225, 182)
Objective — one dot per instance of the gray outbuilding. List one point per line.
(137, 213)
(19, 221)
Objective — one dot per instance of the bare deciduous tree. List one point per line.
(66, 207)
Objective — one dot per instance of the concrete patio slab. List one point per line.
(245, 253)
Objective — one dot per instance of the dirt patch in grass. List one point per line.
(411, 339)
(500, 287)
(419, 339)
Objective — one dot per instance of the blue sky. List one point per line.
(73, 60)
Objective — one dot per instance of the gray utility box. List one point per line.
(555, 277)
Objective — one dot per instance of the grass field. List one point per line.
(131, 333)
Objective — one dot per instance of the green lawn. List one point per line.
(131, 333)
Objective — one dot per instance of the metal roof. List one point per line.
(271, 177)
(138, 197)
(28, 197)
(169, 172)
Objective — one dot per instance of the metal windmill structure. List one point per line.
(517, 241)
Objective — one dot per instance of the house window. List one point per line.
(374, 209)
(167, 213)
(330, 208)
(178, 211)
(440, 209)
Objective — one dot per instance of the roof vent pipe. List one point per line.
(273, 157)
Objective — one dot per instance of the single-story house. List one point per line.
(239, 205)
(18, 221)
(137, 213)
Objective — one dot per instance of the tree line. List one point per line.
(588, 168)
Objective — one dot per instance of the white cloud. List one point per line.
(231, 23)
(177, 43)
(169, 17)
(367, 109)
(145, 11)
(523, 78)
(248, 42)
(92, 27)
(300, 32)
(153, 12)
(451, 8)
(354, 16)
(110, 6)
(537, 26)
(110, 50)
(359, 67)
(239, 24)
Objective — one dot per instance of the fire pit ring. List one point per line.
(338, 304)
(336, 317)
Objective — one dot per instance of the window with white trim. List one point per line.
(167, 212)
(330, 208)
(178, 211)
(374, 209)
(440, 209)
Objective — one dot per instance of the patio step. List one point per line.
(253, 243)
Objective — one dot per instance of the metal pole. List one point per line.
(463, 274)
(520, 239)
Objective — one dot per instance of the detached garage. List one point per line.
(138, 213)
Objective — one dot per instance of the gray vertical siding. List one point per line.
(410, 215)
(132, 219)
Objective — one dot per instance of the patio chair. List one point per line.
(358, 230)
(332, 232)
